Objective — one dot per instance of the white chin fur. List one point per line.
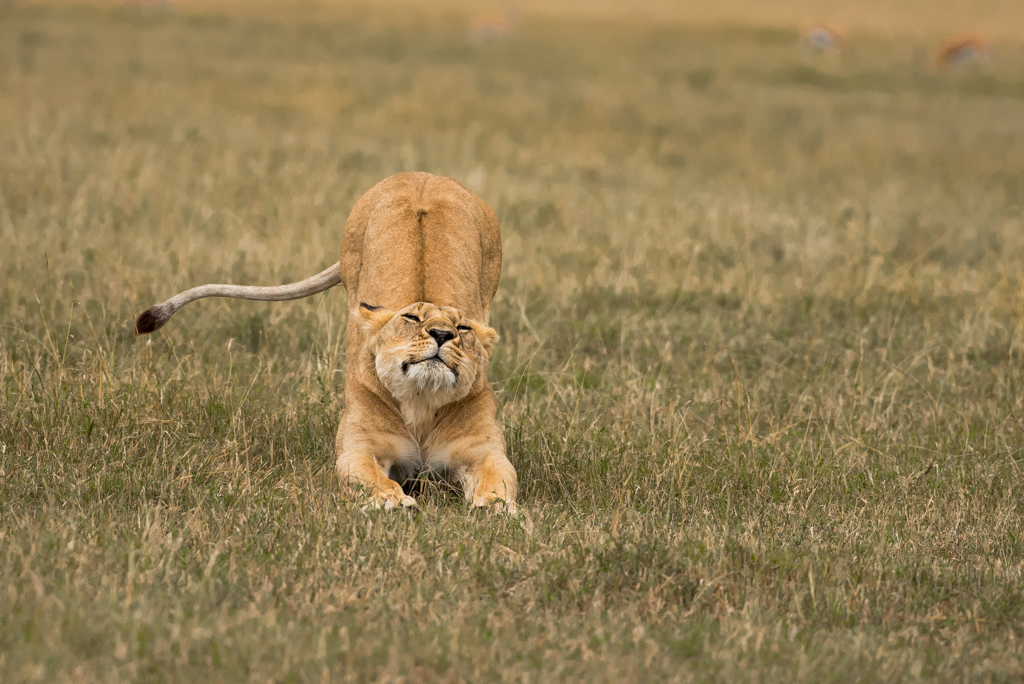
(431, 380)
(431, 376)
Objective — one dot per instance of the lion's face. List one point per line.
(426, 352)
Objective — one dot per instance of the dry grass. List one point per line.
(762, 325)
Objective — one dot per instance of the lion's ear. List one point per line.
(372, 318)
(486, 334)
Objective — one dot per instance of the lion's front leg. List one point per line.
(491, 481)
(482, 466)
(364, 459)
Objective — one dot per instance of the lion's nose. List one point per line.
(441, 335)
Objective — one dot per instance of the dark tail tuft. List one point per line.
(151, 319)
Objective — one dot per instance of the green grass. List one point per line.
(762, 326)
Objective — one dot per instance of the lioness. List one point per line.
(420, 259)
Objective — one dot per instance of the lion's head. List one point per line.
(426, 352)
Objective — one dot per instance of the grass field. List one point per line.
(762, 322)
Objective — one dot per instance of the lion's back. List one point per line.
(420, 237)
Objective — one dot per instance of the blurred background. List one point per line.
(995, 18)
(762, 316)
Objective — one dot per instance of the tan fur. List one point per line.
(413, 238)
(421, 246)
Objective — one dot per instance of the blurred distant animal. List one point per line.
(820, 39)
(420, 260)
(485, 28)
(964, 51)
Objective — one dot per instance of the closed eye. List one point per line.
(410, 317)
(464, 328)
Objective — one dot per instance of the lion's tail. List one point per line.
(154, 317)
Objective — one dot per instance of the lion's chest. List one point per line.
(419, 418)
(429, 448)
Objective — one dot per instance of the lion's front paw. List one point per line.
(492, 486)
(494, 503)
(390, 499)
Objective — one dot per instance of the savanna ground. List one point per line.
(762, 321)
